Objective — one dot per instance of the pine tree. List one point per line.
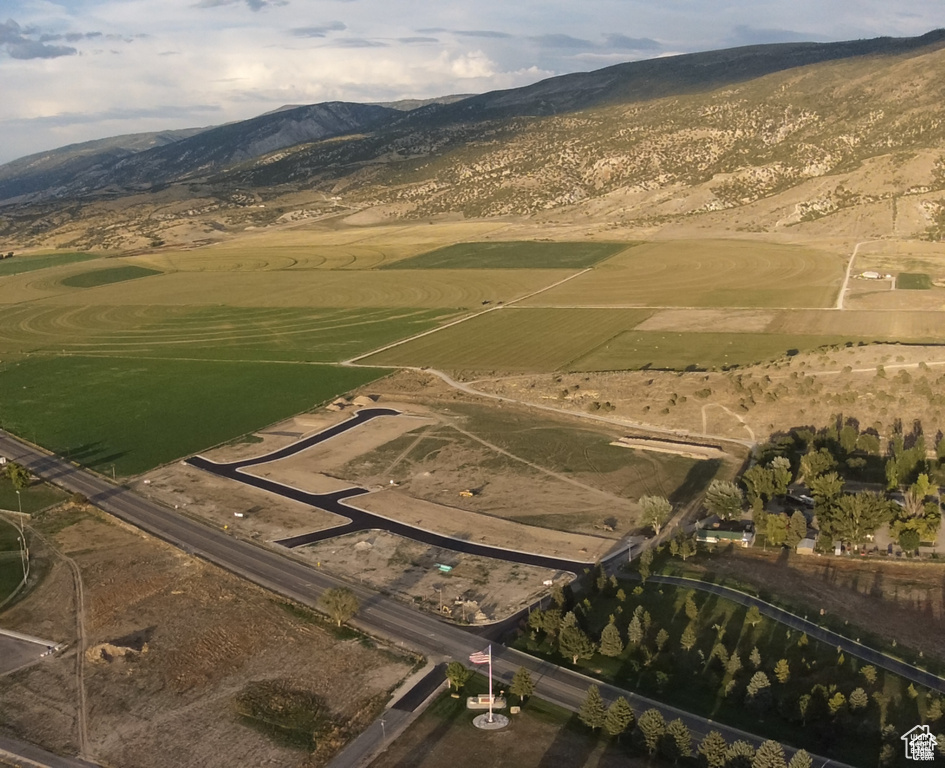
(755, 657)
(836, 703)
(782, 671)
(869, 673)
(858, 699)
(712, 750)
(592, 711)
(522, 684)
(662, 637)
(758, 687)
(457, 674)
(739, 755)
(769, 755)
(618, 718)
(611, 644)
(734, 664)
(753, 616)
(801, 759)
(651, 726)
(573, 643)
(677, 741)
(688, 639)
(692, 610)
(635, 631)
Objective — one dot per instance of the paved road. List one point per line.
(400, 624)
(870, 655)
(20, 754)
(362, 520)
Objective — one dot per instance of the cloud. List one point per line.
(746, 35)
(16, 42)
(319, 31)
(412, 40)
(355, 42)
(616, 40)
(253, 5)
(481, 33)
(561, 41)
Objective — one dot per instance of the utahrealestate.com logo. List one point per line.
(921, 744)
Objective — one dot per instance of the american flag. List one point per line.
(482, 657)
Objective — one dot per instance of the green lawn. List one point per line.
(524, 254)
(20, 264)
(136, 414)
(913, 281)
(97, 277)
(11, 565)
(38, 496)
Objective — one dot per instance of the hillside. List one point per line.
(760, 138)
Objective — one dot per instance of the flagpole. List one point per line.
(490, 683)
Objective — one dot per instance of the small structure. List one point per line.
(806, 546)
(483, 700)
(741, 532)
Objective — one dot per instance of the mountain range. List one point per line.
(767, 137)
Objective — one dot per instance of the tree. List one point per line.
(683, 546)
(724, 499)
(592, 712)
(781, 474)
(733, 664)
(758, 684)
(688, 639)
(816, 463)
(643, 564)
(618, 718)
(551, 621)
(739, 755)
(18, 474)
(836, 703)
(635, 631)
(692, 610)
(457, 674)
(522, 684)
(753, 616)
(651, 726)
(340, 604)
(776, 530)
(662, 637)
(825, 489)
(656, 512)
(869, 673)
(797, 529)
(755, 657)
(574, 643)
(858, 699)
(712, 750)
(909, 539)
(856, 516)
(759, 485)
(801, 759)
(782, 671)
(611, 644)
(769, 755)
(677, 741)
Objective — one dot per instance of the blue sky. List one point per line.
(75, 70)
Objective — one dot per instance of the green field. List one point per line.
(221, 333)
(913, 281)
(515, 339)
(11, 564)
(31, 500)
(512, 255)
(97, 277)
(677, 351)
(20, 264)
(706, 273)
(136, 414)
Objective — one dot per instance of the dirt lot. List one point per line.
(900, 601)
(171, 643)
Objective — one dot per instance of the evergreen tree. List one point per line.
(662, 637)
(688, 639)
(801, 759)
(573, 643)
(769, 755)
(734, 664)
(758, 688)
(592, 711)
(739, 755)
(643, 564)
(755, 657)
(551, 622)
(692, 610)
(457, 674)
(836, 703)
(869, 673)
(651, 726)
(611, 644)
(677, 741)
(782, 671)
(536, 620)
(712, 750)
(635, 631)
(753, 616)
(619, 717)
(858, 699)
(522, 684)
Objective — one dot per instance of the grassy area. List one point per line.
(514, 339)
(11, 565)
(512, 255)
(32, 499)
(706, 273)
(677, 351)
(135, 414)
(913, 281)
(97, 277)
(246, 333)
(20, 264)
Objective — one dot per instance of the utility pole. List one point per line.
(19, 504)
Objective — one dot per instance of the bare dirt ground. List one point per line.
(172, 641)
(409, 570)
(901, 601)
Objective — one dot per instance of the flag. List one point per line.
(481, 657)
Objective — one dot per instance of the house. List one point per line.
(740, 532)
(921, 744)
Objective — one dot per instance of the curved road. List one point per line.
(400, 624)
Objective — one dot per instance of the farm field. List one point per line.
(135, 414)
(706, 273)
(19, 264)
(97, 277)
(512, 255)
(217, 332)
(904, 325)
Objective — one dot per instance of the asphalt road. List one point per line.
(23, 755)
(400, 624)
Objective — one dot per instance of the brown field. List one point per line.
(197, 636)
(905, 325)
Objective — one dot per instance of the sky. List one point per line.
(76, 70)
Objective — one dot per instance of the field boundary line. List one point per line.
(353, 360)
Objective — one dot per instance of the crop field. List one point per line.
(913, 281)
(20, 264)
(97, 277)
(902, 325)
(227, 333)
(680, 350)
(514, 339)
(135, 414)
(713, 273)
(512, 255)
